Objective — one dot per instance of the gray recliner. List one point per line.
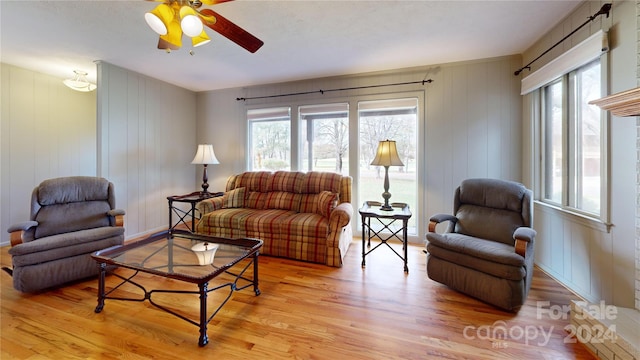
(487, 250)
(71, 217)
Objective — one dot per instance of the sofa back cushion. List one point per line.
(259, 186)
(288, 181)
(282, 200)
(256, 200)
(253, 180)
(315, 182)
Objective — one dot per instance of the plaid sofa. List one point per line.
(302, 216)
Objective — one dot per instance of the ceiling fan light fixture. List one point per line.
(79, 82)
(190, 23)
(174, 33)
(201, 39)
(158, 18)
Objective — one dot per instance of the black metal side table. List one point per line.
(384, 220)
(192, 198)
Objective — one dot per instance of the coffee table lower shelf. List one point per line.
(108, 259)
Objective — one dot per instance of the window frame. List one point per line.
(570, 130)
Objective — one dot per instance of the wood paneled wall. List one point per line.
(146, 141)
(47, 130)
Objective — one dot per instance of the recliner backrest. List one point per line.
(67, 204)
(492, 209)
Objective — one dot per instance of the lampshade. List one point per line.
(201, 39)
(205, 155)
(191, 25)
(205, 252)
(387, 154)
(159, 17)
(79, 82)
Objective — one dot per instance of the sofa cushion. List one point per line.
(282, 200)
(254, 180)
(224, 218)
(256, 200)
(327, 201)
(315, 182)
(234, 198)
(264, 221)
(305, 225)
(285, 181)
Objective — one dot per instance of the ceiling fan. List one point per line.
(173, 18)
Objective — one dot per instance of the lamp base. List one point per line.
(386, 195)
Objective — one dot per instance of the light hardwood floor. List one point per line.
(305, 311)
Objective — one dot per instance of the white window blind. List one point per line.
(577, 56)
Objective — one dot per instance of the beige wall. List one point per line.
(470, 123)
(591, 259)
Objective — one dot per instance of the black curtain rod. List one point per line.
(329, 90)
(604, 10)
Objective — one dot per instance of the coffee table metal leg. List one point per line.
(255, 275)
(101, 295)
(204, 338)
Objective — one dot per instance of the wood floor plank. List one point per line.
(305, 311)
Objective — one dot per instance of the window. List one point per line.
(393, 120)
(269, 139)
(572, 138)
(324, 138)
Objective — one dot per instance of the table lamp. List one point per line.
(205, 156)
(387, 155)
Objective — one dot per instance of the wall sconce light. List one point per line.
(387, 155)
(79, 82)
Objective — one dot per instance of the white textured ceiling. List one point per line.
(303, 39)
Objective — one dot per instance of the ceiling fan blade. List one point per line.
(213, 2)
(232, 31)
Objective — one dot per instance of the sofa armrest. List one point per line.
(209, 205)
(438, 218)
(116, 217)
(18, 230)
(523, 236)
(340, 216)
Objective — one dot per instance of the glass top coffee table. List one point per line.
(186, 257)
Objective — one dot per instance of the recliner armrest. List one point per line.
(116, 217)
(17, 231)
(523, 236)
(438, 218)
(524, 233)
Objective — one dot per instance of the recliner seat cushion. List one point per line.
(492, 251)
(67, 245)
(501, 271)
